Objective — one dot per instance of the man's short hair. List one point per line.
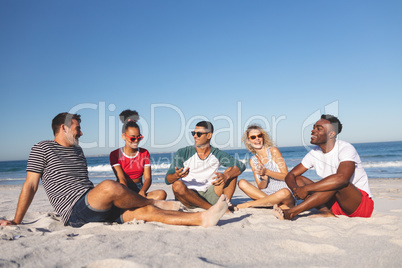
(336, 124)
(207, 125)
(64, 118)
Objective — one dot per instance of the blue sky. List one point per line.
(277, 63)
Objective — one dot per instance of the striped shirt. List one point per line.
(273, 185)
(64, 174)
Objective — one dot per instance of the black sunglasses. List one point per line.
(253, 137)
(199, 134)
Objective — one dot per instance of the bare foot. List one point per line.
(214, 213)
(167, 205)
(244, 205)
(278, 212)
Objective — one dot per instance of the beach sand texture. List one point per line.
(247, 238)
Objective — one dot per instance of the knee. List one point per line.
(161, 195)
(242, 183)
(109, 187)
(179, 187)
(149, 209)
(284, 193)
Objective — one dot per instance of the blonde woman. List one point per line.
(269, 170)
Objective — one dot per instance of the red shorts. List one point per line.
(364, 210)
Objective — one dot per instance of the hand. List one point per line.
(264, 178)
(6, 223)
(142, 193)
(180, 173)
(300, 192)
(260, 170)
(220, 178)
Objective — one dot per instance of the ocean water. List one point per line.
(380, 160)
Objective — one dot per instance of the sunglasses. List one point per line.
(254, 136)
(199, 134)
(134, 139)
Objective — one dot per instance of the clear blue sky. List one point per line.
(279, 63)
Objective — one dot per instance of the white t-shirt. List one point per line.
(327, 164)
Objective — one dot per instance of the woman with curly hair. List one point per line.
(131, 163)
(269, 170)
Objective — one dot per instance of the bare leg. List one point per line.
(283, 197)
(250, 190)
(212, 215)
(227, 189)
(187, 196)
(205, 218)
(108, 193)
(349, 199)
(157, 195)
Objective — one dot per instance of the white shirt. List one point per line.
(327, 164)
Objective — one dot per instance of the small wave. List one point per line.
(100, 168)
(382, 164)
(160, 166)
(12, 179)
(108, 168)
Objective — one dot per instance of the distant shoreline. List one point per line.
(227, 150)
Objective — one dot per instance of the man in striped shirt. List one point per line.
(63, 168)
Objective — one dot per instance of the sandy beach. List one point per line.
(247, 238)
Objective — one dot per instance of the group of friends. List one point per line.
(194, 177)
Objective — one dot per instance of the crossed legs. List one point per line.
(206, 218)
(189, 198)
(349, 199)
(283, 197)
(109, 193)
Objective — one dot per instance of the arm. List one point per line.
(260, 180)
(336, 181)
(278, 159)
(290, 178)
(121, 176)
(179, 173)
(147, 180)
(27, 194)
(229, 173)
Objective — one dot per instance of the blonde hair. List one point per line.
(266, 138)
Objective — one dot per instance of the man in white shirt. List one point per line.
(343, 189)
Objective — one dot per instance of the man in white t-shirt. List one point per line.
(343, 189)
(194, 174)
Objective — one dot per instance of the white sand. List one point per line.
(248, 238)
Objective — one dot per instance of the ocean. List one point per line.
(380, 160)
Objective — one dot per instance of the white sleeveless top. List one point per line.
(273, 185)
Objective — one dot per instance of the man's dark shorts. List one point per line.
(83, 213)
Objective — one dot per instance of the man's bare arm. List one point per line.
(290, 178)
(179, 173)
(27, 194)
(229, 173)
(336, 181)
